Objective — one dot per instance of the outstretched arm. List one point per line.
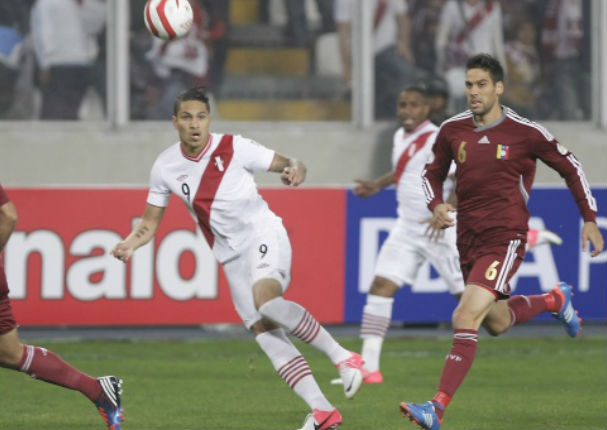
(142, 233)
(366, 188)
(292, 171)
(8, 220)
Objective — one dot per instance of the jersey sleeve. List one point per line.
(435, 172)
(559, 158)
(3, 196)
(253, 156)
(159, 193)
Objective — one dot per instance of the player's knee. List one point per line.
(495, 328)
(383, 287)
(11, 355)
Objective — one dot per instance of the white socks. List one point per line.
(377, 314)
(293, 368)
(304, 326)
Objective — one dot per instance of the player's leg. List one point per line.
(541, 237)
(45, 365)
(520, 309)
(487, 271)
(397, 264)
(270, 276)
(286, 359)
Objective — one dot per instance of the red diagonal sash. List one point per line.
(408, 153)
(209, 183)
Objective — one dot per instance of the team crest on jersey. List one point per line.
(503, 152)
(561, 149)
(219, 163)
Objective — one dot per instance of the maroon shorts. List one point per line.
(489, 261)
(7, 319)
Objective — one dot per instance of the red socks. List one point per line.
(524, 308)
(43, 364)
(458, 362)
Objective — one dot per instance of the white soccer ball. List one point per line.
(168, 19)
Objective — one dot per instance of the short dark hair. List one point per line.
(419, 88)
(195, 93)
(487, 63)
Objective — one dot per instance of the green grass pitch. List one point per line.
(515, 383)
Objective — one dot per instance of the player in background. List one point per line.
(410, 242)
(213, 174)
(41, 363)
(496, 151)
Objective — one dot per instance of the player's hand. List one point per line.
(294, 174)
(432, 231)
(441, 218)
(365, 188)
(590, 232)
(122, 252)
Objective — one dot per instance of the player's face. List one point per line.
(482, 93)
(192, 123)
(412, 109)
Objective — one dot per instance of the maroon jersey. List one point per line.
(495, 170)
(3, 284)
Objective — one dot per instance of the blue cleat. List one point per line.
(567, 314)
(424, 415)
(109, 404)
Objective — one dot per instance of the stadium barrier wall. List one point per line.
(60, 272)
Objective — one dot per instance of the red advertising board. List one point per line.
(60, 271)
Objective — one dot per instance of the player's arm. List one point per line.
(142, 233)
(292, 171)
(433, 176)
(404, 37)
(570, 168)
(365, 188)
(8, 220)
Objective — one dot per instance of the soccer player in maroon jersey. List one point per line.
(40, 363)
(495, 151)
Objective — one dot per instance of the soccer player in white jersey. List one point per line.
(410, 242)
(213, 174)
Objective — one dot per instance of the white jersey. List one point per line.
(410, 153)
(218, 189)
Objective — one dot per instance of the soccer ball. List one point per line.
(168, 19)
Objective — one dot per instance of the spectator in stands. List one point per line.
(12, 40)
(298, 30)
(467, 27)
(64, 34)
(566, 56)
(178, 64)
(523, 62)
(437, 93)
(394, 62)
(425, 16)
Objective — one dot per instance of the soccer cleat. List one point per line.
(109, 403)
(351, 374)
(372, 377)
(567, 314)
(423, 415)
(369, 378)
(322, 420)
(541, 237)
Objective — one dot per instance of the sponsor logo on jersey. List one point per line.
(182, 178)
(484, 139)
(503, 152)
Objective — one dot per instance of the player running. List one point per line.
(495, 151)
(213, 174)
(41, 363)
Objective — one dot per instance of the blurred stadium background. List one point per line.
(78, 173)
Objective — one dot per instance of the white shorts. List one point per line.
(404, 251)
(267, 257)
